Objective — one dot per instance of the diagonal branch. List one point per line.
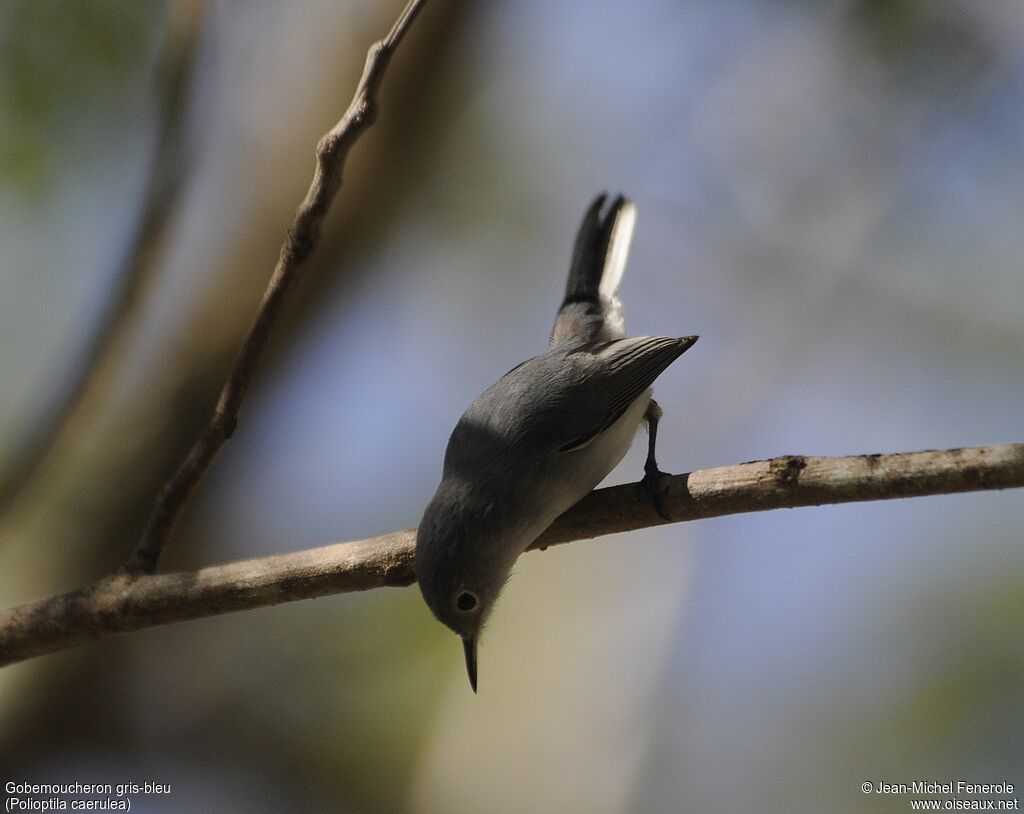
(303, 237)
(125, 602)
(90, 370)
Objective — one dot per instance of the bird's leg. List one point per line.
(653, 475)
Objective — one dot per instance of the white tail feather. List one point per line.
(618, 251)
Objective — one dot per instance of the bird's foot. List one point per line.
(652, 485)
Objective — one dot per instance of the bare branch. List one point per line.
(126, 602)
(302, 240)
(91, 369)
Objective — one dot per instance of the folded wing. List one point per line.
(618, 373)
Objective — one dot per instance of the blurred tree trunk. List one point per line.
(82, 516)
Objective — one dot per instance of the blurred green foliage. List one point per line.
(967, 700)
(60, 62)
(933, 47)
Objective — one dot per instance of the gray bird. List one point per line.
(543, 436)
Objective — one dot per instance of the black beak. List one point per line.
(469, 645)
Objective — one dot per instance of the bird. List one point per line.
(544, 435)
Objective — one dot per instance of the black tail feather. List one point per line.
(591, 251)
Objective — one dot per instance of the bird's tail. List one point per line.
(591, 310)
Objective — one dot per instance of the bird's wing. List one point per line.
(617, 373)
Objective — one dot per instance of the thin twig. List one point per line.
(126, 602)
(166, 178)
(303, 237)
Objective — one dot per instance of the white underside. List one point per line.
(577, 473)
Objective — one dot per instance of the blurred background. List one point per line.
(830, 194)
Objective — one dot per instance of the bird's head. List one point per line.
(462, 563)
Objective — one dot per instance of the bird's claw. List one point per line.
(652, 485)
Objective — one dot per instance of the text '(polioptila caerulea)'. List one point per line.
(543, 436)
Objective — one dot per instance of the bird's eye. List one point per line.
(465, 601)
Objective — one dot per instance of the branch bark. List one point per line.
(131, 601)
(303, 237)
